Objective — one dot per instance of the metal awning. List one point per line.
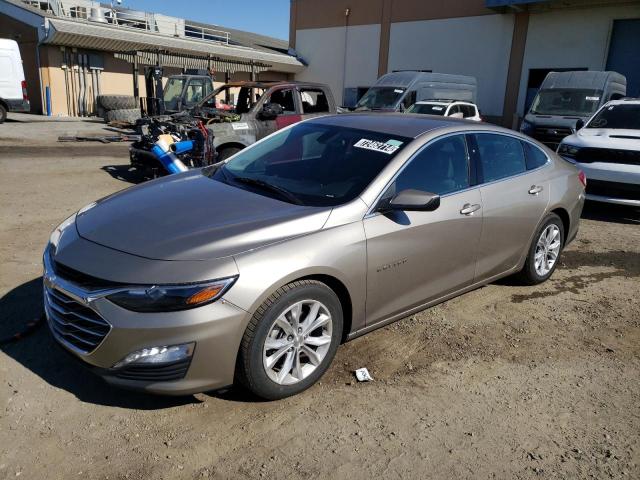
(90, 35)
(168, 59)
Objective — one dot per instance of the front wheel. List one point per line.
(544, 252)
(291, 340)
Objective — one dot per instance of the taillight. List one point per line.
(583, 178)
(24, 91)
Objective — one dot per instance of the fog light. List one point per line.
(167, 354)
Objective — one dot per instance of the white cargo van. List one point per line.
(13, 87)
(397, 91)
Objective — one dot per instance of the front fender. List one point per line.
(338, 252)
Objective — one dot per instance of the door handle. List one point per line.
(468, 208)
(535, 189)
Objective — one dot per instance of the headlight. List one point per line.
(170, 298)
(54, 239)
(567, 150)
(526, 127)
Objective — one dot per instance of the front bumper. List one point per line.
(612, 182)
(216, 330)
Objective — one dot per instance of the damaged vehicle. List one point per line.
(233, 117)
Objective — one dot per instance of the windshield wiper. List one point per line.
(267, 186)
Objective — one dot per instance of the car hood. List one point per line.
(605, 138)
(192, 217)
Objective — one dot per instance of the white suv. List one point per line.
(447, 108)
(607, 150)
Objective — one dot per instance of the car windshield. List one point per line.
(617, 116)
(380, 98)
(427, 109)
(311, 164)
(578, 102)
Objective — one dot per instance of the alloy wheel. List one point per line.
(297, 342)
(547, 250)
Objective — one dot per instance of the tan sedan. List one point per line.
(254, 270)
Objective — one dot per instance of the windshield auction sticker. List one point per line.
(388, 147)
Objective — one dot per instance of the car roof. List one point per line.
(272, 83)
(442, 101)
(624, 101)
(401, 124)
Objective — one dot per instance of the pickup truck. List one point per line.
(258, 109)
(227, 120)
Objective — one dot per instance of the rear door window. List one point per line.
(501, 156)
(469, 111)
(314, 100)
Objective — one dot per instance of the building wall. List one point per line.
(478, 46)
(329, 62)
(570, 38)
(27, 38)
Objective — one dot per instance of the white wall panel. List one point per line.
(570, 38)
(324, 50)
(478, 46)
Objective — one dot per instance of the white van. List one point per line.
(13, 87)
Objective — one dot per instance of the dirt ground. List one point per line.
(505, 382)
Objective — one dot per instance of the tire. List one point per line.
(227, 152)
(252, 370)
(129, 115)
(117, 102)
(3, 113)
(530, 273)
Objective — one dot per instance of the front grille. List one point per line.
(551, 136)
(74, 323)
(625, 191)
(608, 155)
(80, 279)
(155, 373)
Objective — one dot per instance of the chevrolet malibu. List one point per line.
(254, 270)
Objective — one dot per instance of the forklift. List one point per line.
(181, 91)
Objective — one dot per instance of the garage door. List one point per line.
(624, 53)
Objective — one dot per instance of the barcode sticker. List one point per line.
(387, 148)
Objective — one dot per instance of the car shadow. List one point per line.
(125, 173)
(39, 353)
(609, 212)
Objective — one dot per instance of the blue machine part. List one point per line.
(167, 158)
(182, 146)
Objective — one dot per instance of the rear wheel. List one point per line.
(544, 252)
(291, 340)
(227, 152)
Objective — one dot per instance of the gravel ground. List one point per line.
(505, 382)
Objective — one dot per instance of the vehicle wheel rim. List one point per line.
(297, 342)
(547, 250)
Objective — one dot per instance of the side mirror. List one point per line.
(415, 200)
(270, 111)
(579, 124)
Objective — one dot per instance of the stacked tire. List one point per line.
(118, 108)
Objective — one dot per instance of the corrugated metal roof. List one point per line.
(192, 61)
(84, 34)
